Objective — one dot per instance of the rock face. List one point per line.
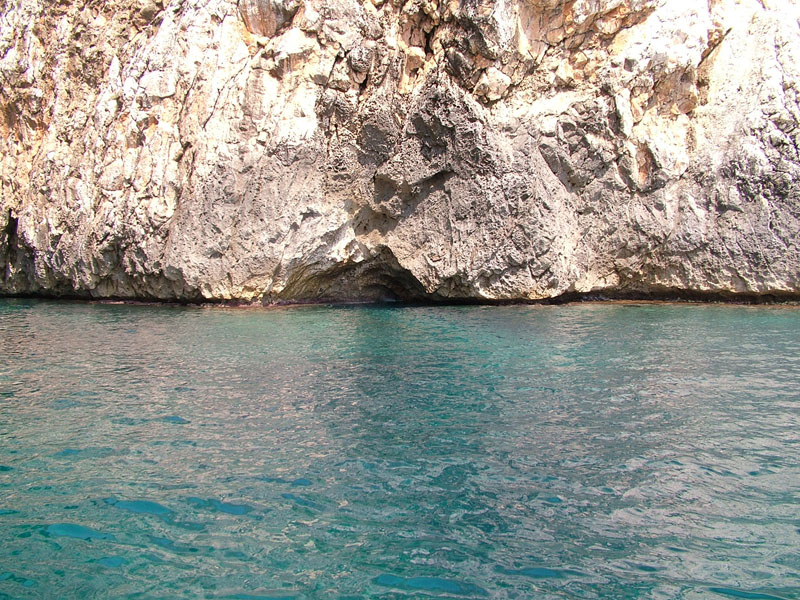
(281, 150)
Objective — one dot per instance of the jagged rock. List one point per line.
(279, 150)
(493, 84)
(267, 17)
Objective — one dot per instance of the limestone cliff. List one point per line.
(275, 150)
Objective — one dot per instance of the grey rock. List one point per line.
(288, 150)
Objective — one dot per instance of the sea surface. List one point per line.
(581, 451)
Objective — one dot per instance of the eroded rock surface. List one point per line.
(274, 150)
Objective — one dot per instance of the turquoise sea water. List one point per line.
(580, 451)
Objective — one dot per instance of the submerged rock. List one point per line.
(284, 150)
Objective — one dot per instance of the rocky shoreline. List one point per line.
(787, 301)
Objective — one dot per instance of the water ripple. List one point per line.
(588, 451)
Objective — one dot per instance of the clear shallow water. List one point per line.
(583, 451)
